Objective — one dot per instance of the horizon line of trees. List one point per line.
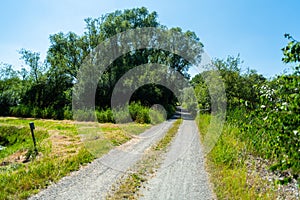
(45, 90)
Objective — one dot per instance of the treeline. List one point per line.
(45, 90)
(266, 111)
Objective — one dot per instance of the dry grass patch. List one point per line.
(60, 148)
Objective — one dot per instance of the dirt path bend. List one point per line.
(95, 180)
(182, 174)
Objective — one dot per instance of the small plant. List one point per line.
(31, 154)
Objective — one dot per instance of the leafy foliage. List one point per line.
(292, 52)
(238, 86)
(266, 112)
(273, 127)
(46, 89)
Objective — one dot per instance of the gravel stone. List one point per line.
(96, 179)
(182, 174)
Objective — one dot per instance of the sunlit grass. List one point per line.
(61, 150)
(227, 168)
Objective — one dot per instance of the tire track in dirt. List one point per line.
(96, 179)
(182, 174)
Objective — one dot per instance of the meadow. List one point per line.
(24, 172)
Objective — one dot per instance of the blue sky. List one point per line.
(254, 29)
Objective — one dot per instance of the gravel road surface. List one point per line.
(182, 174)
(96, 179)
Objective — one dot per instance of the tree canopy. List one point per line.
(48, 85)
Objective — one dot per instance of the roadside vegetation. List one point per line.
(227, 166)
(258, 153)
(60, 151)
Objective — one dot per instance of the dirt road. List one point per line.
(95, 180)
(182, 174)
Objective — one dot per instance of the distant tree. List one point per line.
(10, 88)
(7, 71)
(32, 59)
(119, 21)
(240, 88)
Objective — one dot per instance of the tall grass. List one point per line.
(227, 166)
(22, 182)
(44, 113)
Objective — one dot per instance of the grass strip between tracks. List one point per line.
(129, 185)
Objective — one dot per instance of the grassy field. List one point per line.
(60, 151)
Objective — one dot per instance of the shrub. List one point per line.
(134, 112)
(68, 114)
(157, 114)
(21, 111)
(47, 113)
(143, 116)
(272, 129)
(84, 115)
(104, 116)
(36, 112)
(135, 109)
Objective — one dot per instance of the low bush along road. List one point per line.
(180, 175)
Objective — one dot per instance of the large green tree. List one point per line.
(240, 88)
(68, 51)
(48, 85)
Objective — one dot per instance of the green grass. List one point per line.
(129, 186)
(226, 165)
(14, 138)
(60, 152)
(134, 128)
